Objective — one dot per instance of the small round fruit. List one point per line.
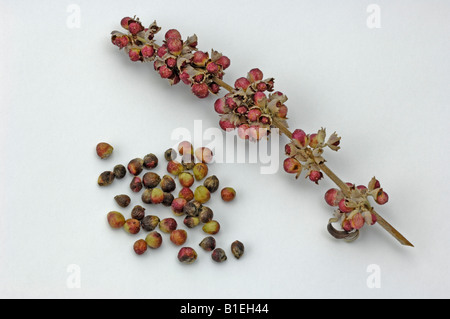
(187, 255)
(204, 154)
(228, 194)
(104, 150)
(178, 237)
(154, 240)
(115, 219)
(140, 247)
(168, 225)
(132, 226)
(212, 227)
(202, 194)
(186, 179)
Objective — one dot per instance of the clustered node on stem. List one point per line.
(253, 108)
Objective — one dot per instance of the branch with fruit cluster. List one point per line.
(254, 109)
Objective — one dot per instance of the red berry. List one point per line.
(174, 45)
(165, 72)
(200, 58)
(343, 208)
(173, 33)
(292, 166)
(226, 125)
(242, 83)
(134, 54)
(315, 176)
(301, 137)
(135, 27)
(147, 51)
(255, 75)
(224, 62)
(200, 90)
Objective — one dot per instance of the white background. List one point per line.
(385, 91)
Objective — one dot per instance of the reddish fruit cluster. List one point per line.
(176, 59)
(355, 210)
(249, 108)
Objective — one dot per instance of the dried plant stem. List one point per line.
(325, 169)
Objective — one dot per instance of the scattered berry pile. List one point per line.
(155, 190)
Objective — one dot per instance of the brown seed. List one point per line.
(168, 225)
(211, 183)
(205, 214)
(149, 222)
(208, 243)
(187, 255)
(138, 212)
(151, 180)
(104, 150)
(136, 166)
(218, 255)
(150, 161)
(228, 194)
(237, 248)
(168, 184)
(136, 184)
(178, 237)
(122, 200)
(188, 161)
(147, 196)
(191, 222)
(140, 247)
(168, 199)
(170, 155)
(119, 171)
(192, 208)
(106, 178)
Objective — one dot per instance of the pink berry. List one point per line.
(243, 131)
(171, 62)
(357, 221)
(382, 197)
(292, 166)
(261, 86)
(241, 109)
(200, 58)
(343, 207)
(301, 137)
(254, 114)
(162, 51)
(135, 28)
(211, 67)
(124, 22)
(147, 51)
(219, 106)
(174, 45)
(256, 132)
(347, 225)
(255, 75)
(265, 119)
(361, 187)
(200, 90)
(214, 88)
(134, 54)
(226, 125)
(165, 72)
(282, 111)
(224, 62)
(313, 141)
(333, 196)
(172, 33)
(185, 77)
(260, 99)
(230, 103)
(315, 176)
(242, 83)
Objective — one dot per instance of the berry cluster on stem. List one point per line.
(253, 108)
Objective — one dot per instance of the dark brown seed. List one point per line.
(136, 184)
(168, 199)
(192, 208)
(237, 248)
(208, 243)
(120, 171)
(205, 214)
(149, 222)
(218, 255)
(106, 178)
(188, 161)
(211, 183)
(168, 184)
(170, 154)
(151, 180)
(123, 200)
(150, 161)
(138, 212)
(147, 196)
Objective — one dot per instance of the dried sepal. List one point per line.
(333, 142)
